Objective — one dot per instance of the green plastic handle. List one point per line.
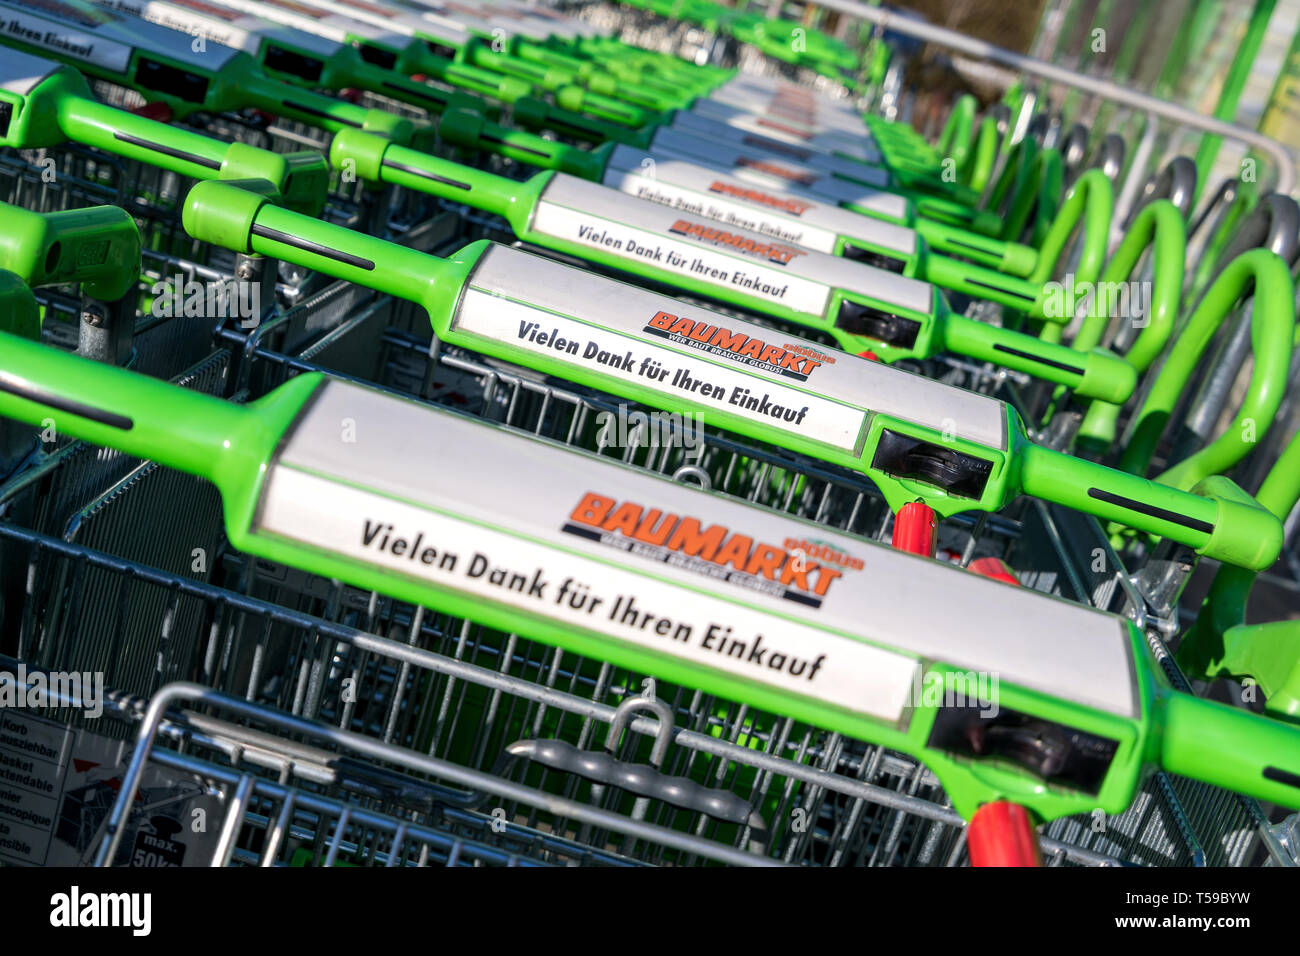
(245, 86)
(1272, 332)
(1206, 649)
(955, 141)
(535, 114)
(1159, 227)
(61, 108)
(408, 90)
(1231, 748)
(1011, 258)
(1014, 180)
(115, 409)
(231, 446)
(982, 158)
(98, 247)
(477, 53)
(578, 100)
(457, 72)
(980, 282)
(1040, 198)
(470, 130)
(1090, 201)
(1097, 374)
(616, 88)
(1216, 518)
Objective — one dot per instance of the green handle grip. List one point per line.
(1039, 199)
(616, 88)
(1011, 258)
(982, 158)
(427, 97)
(174, 148)
(258, 91)
(98, 247)
(676, 84)
(1231, 748)
(114, 408)
(535, 114)
(1271, 335)
(377, 160)
(1091, 200)
(984, 283)
(1014, 179)
(301, 178)
(508, 89)
(955, 140)
(225, 443)
(1159, 226)
(1216, 519)
(470, 130)
(579, 100)
(547, 77)
(238, 219)
(1097, 374)
(526, 49)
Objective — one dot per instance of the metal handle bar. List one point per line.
(1176, 182)
(1110, 156)
(1105, 89)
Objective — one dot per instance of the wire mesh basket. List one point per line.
(326, 725)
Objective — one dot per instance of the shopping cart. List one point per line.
(424, 695)
(313, 769)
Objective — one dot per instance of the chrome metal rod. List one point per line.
(1114, 92)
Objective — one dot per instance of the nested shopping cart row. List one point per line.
(344, 327)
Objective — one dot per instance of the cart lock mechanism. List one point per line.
(1055, 752)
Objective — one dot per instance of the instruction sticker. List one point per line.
(799, 219)
(215, 24)
(58, 785)
(526, 302)
(656, 188)
(64, 38)
(587, 543)
(671, 373)
(584, 593)
(689, 246)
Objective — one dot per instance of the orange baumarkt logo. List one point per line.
(822, 551)
(781, 570)
(795, 207)
(773, 252)
(737, 346)
(775, 169)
